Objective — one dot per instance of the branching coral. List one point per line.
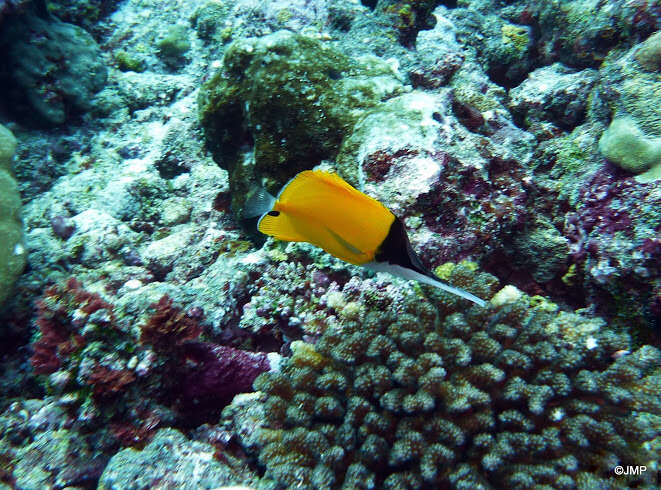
(515, 395)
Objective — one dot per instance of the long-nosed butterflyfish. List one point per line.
(320, 208)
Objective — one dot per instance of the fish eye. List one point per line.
(274, 213)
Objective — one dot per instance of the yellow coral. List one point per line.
(304, 354)
(515, 35)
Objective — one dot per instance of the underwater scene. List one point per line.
(330, 244)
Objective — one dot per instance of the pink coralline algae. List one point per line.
(601, 207)
(213, 374)
(61, 314)
(614, 240)
(472, 212)
(200, 375)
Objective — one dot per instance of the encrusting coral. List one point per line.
(514, 395)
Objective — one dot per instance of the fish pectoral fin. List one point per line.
(259, 203)
(345, 244)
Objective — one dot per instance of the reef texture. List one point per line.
(521, 136)
(194, 461)
(294, 96)
(52, 68)
(99, 374)
(515, 395)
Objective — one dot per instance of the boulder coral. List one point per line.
(12, 248)
(52, 69)
(624, 144)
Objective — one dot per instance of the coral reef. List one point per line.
(517, 394)
(648, 53)
(8, 7)
(208, 21)
(626, 145)
(86, 354)
(63, 315)
(174, 45)
(52, 68)
(85, 13)
(169, 327)
(40, 449)
(169, 449)
(294, 96)
(553, 94)
(213, 374)
(506, 50)
(580, 34)
(409, 17)
(612, 235)
(439, 54)
(477, 122)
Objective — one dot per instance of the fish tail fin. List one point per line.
(436, 282)
(258, 203)
(424, 276)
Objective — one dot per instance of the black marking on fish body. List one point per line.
(396, 249)
(273, 213)
(345, 243)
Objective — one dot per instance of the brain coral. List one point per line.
(511, 396)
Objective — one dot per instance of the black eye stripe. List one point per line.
(274, 213)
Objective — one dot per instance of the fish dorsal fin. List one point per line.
(298, 184)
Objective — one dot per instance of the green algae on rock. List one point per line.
(12, 247)
(174, 45)
(295, 97)
(209, 20)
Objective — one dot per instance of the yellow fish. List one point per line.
(322, 209)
